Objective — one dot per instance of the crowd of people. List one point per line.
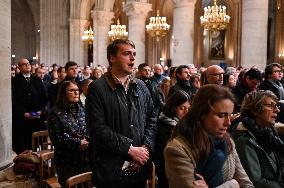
(211, 127)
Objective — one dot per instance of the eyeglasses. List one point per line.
(217, 74)
(73, 90)
(277, 71)
(273, 106)
(25, 64)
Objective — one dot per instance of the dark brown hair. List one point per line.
(191, 127)
(175, 100)
(113, 47)
(61, 100)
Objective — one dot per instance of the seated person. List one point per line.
(259, 147)
(201, 152)
(175, 109)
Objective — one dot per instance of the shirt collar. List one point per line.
(113, 81)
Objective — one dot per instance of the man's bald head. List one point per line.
(214, 75)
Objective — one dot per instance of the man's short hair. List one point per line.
(253, 73)
(269, 69)
(112, 48)
(70, 64)
(141, 66)
(179, 69)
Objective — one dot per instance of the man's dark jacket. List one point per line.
(117, 119)
(26, 97)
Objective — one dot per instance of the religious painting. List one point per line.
(217, 45)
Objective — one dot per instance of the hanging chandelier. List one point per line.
(157, 27)
(117, 31)
(88, 35)
(215, 17)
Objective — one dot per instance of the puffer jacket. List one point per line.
(66, 131)
(117, 119)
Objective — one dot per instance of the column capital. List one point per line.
(183, 3)
(102, 17)
(139, 9)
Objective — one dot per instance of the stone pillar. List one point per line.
(137, 13)
(254, 33)
(101, 23)
(5, 83)
(183, 21)
(76, 49)
(54, 31)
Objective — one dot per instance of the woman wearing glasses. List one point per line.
(201, 153)
(259, 147)
(68, 133)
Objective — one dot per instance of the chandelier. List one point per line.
(117, 32)
(88, 34)
(157, 27)
(215, 17)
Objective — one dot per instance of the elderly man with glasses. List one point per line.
(28, 106)
(214, 75)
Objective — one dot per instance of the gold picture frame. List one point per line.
(217, 45)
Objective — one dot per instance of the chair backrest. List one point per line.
(40, 141)
(84, 179)
(47, 166)
(153, 180)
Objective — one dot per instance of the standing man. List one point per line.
(183, 81)
(158, 98)
(28, 105)
(121, 122)
(71, 69)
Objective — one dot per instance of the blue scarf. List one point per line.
(212, 167)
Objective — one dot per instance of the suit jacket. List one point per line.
(27, 97)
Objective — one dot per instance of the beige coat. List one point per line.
(180, 167)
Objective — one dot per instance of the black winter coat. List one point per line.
(66, 130)
(117, 119)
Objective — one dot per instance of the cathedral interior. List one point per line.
(50, 31)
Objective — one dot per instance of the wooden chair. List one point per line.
(47, 174)
(152, 182)
(41, 141)
(84, 179)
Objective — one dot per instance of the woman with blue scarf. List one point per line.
(201, 153)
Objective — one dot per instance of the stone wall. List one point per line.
(5, 84)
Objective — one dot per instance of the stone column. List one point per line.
(54, 31)
(5, 83)
(76, 49)
(101, 20)
(254, 33)
(137, 13)
(183, 21)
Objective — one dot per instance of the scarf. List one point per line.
(168, 121)
(268, 139)
(279, 88)
(212, 167)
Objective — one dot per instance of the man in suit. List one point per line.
(28, 105)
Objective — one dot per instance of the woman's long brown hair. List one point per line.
(191, 127)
